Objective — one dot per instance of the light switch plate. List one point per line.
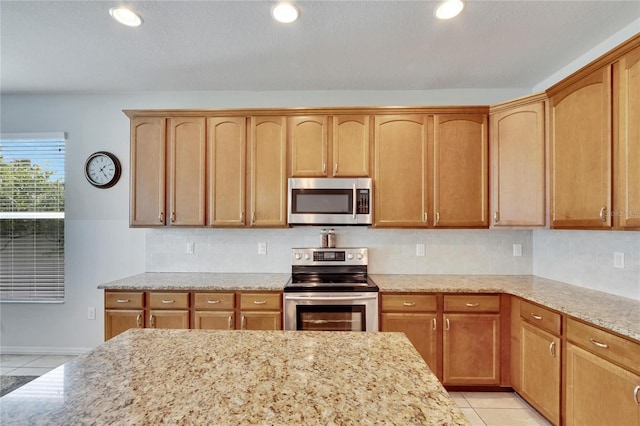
(262, 248)
(618, 260)
(517, 250)
(420, 250)
(191, 248)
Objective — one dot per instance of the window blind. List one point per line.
(32, 217)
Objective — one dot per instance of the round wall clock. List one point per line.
(102, 169)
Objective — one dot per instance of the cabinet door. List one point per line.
(147, 191)
(168, 319)
(628, 209)
(226, 159)
(400, 170)
(599, 392)
(268, 171)
(214, 320)
(187, 147)
(421, 329)
(461, 171)
(540, 369)
(518, 166)
(118, 320)
(580, 132)
(261, 320)
(351, 142)
(308, 144)
(471, 349)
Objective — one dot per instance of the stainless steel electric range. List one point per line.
(330, 290)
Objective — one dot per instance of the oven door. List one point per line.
(331, 311)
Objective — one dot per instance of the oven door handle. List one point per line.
(334, 298)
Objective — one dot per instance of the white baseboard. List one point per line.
(31, 350)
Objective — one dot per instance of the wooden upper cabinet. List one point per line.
(268, 171)
(226, 168)
(460, 197)
(187, 147)
(518, 163)
(351, 140)
(147, 185)
(628, 162)
(400, 169)
(308, 144)
(581, 145)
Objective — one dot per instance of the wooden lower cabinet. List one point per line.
(117, 321)
(256, 320)
(471, 349)
(540, 368)
(599, 392)
(214, 311)
(260, 311)
(168, 318)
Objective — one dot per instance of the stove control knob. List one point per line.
(360, 256)
(298, 256)
(306, 256)
(350, 256)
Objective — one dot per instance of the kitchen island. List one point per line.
(153, 376)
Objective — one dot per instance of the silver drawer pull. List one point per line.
(259, 302)
(538, 317)
(409, 303)
(598, 344)
(166, 302)
(213, 302)
(473, 305)
(123, 300)
(635, 394)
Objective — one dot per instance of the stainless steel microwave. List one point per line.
(330, 201)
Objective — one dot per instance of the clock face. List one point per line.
(102, 169)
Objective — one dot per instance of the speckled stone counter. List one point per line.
(150, 377)
(619, 314)
(199, 281)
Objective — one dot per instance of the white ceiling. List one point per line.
(75, 46)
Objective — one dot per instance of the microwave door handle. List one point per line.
(329, 298)
(354, 201)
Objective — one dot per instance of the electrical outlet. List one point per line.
(517, 250)
(191, 248)
(262, 248)
(420, 250)
(618, 260)
(91, 313)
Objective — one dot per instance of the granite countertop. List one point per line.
(152, 376)
(615, 313)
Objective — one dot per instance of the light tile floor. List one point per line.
(497, 409)
(481, 408)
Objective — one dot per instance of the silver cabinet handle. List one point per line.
(139, 320)
(324, 168)
(552, 349)
(447, 324)
(213, 302)
(496, 217)
(259, 302)
(409, 303)
(635, 394)
(242, 217)
(161, 217)
(229, 323)
(167, 301)
(598, 344)
(253, 218)
(152, 321)
(335, 168)
(473, 305)
(435, 324)
(173, 216)
(437, 217)
(534, 316)
(123, 300)
(424, 218)
(603, 212)
(242, 322)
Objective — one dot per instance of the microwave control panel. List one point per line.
(362, 203)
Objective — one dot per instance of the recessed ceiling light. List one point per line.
(449, 9)
(285, 13)
(125, 16)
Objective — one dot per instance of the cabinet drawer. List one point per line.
(541, 317)
(161, 300)
(123, 300)
(409, 303)
(260, 301)
(472, 303)
(607, 345)
(216, 301)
